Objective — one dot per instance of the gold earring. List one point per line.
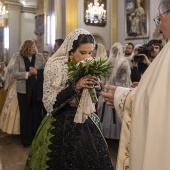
(71, 57)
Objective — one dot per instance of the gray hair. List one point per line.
(163, 6)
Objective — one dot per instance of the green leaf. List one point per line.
(87, 67)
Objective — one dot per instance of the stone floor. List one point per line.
(13, 155)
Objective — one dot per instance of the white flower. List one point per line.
(84, 62)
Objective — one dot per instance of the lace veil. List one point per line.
(101, 52)
(116, 59)
(55, 72)
(9, 70)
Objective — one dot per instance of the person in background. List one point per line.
(129, 51)
(147, 53)
(2, 79)
(135, 74)
(2, 73)
(10, 115)
(157, 47)
(99, 52)
(135, 50)
(58, 43)
(107, 52)
(145, 110)
(120, 76)
(63, 141)
(28, 71)
(45, 55)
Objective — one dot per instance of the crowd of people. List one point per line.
(21, 92)
(38, 102)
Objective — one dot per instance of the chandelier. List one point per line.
(95, 13)
(3, 11)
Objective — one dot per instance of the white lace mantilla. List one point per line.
(56, 74)
(55, 78)
(67, 45)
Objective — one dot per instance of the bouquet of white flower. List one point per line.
(88, 67)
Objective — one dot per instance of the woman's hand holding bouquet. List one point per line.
(88, 82)
(87, 74)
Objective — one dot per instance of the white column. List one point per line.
(60, 18)
(14, 23)
(56, 14)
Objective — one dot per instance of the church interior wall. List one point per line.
(27, 26)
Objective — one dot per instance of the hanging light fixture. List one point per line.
(95, 13)
(3, 11)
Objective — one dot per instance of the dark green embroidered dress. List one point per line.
(62, 144)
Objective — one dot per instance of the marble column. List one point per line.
(13, 22)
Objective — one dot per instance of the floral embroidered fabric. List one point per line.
(61, 143)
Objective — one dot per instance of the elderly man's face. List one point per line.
(164, 24)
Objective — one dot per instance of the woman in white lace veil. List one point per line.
(55, 72)
(10, 115)
(118, 61)
(120, 75)
(100, 52)
(63, 142)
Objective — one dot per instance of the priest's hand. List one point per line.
(109, 97)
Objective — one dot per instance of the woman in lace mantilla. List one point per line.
(120, 76)
(10, 115)
(64, 140)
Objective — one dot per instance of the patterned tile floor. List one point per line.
(13, 155)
